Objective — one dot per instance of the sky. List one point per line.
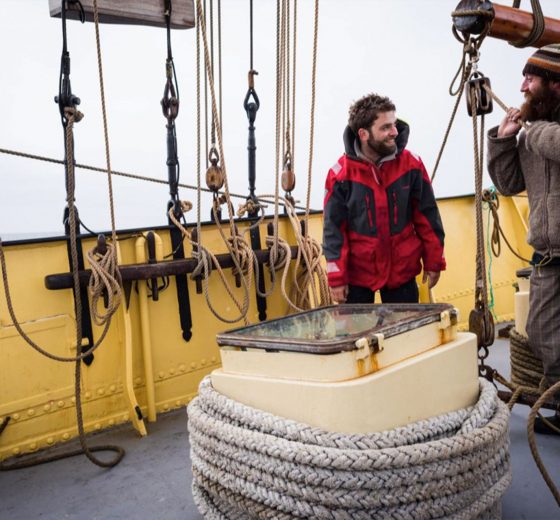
(403, 49)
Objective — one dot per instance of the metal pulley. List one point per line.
(473, 16)
(481, 323)
(214, 174)
(288, 176)
(476, 87)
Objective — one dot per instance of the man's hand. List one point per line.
(339, 294)
(510, 125)
(432, 277)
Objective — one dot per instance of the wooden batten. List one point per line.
(131, 12)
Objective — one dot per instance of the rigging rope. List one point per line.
(70, 115)
(121, 174)
(538, 25)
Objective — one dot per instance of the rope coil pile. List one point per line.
(251, 464)
(526, 369)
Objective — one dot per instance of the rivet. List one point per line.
(60, 404)
(171, 371)
(66, 436)
(31, 412)
(33, 446)
(111, 422)
(47, 408)
(16, 451)
(161, 375)
(182, 367)
(88, 395)
(193, 365)
(113, 388)
(138, 381)
(73, 400)
(97, 426)
(166, 407)
(101, 391)
(15, 417)
(50, 440)
(213, 359)
(177, 403)
(203, 362)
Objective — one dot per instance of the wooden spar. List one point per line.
(514, 25)
(507, 23)
(131, 12)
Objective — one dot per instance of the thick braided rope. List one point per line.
(526, 369)
(251, 464)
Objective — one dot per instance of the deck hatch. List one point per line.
(335, 329)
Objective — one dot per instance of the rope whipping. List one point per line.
(251, 464)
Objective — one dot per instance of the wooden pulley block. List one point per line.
(481, 323)
(214, 174)
(288, 177)
(130, 12)
(482, 98)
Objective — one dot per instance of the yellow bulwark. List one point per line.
(145, 367)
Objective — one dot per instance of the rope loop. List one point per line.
(105, 281)
(538, 25)
(204, 266)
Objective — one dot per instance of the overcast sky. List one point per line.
(400, 48)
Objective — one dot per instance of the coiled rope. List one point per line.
(526, 369)
(251, 464)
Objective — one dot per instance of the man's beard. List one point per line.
(542, 105)
(381, 148)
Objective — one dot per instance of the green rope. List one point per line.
(491, 303)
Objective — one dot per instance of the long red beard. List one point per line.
(542, 105)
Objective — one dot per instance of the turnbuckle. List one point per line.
(170, 101)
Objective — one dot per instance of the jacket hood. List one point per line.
(349, 138)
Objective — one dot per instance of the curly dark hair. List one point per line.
(364, 112)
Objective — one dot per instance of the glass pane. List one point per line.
(331, 323)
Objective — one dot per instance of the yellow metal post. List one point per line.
(141, 257)
(130, 396)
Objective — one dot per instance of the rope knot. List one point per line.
(204, 266)
(73, 115)
(185, 206)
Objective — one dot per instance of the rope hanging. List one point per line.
(251, 464)
(538, 25)
(106, 269)
(480, 319)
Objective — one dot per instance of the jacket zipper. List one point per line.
(395, 209)
(370, 217)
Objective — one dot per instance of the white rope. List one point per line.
(250, 464)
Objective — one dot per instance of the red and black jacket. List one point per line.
(381, 222)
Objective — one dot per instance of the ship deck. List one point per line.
(153, 480)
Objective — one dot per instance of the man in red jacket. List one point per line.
(381, 221)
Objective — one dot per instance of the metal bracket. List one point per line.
(444, 320)
(369, 345)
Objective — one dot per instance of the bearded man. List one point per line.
(381, 222)
(531, 161)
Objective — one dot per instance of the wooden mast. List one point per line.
(508, 23)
